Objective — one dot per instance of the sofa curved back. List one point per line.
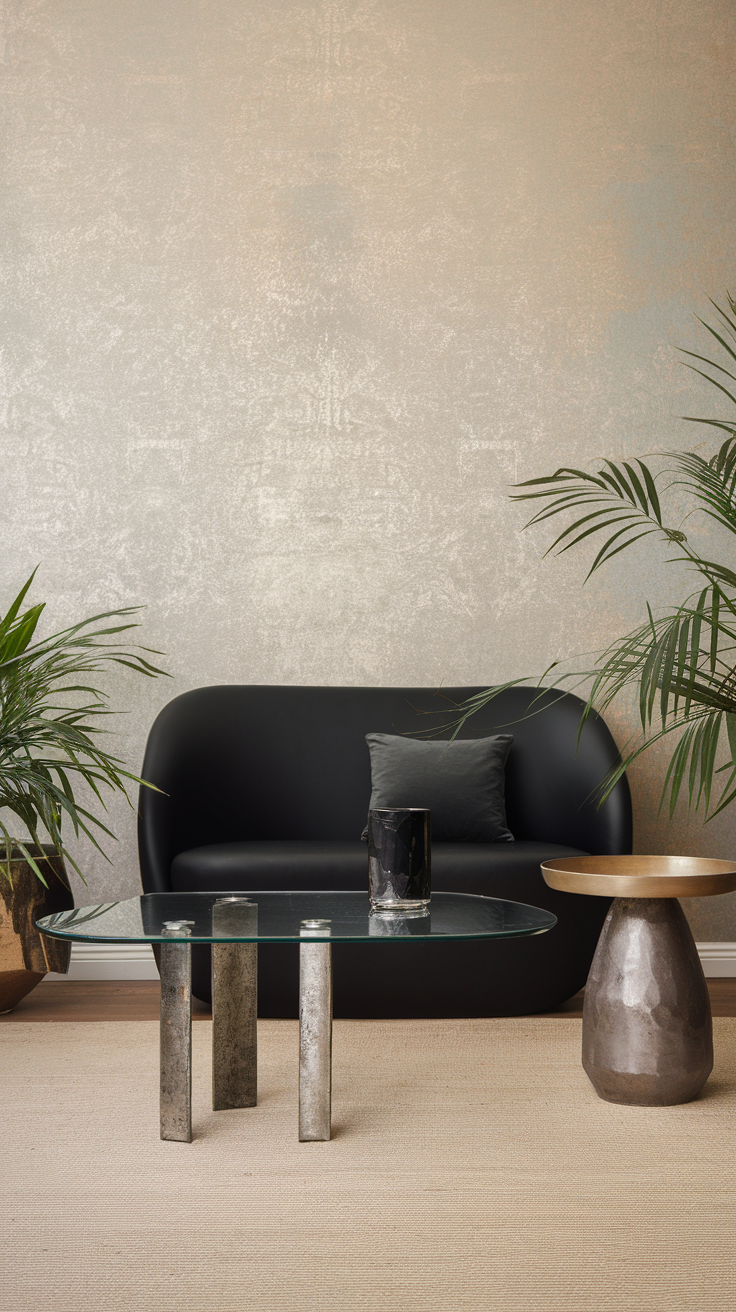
(248, 762)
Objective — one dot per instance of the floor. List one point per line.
(107, 1000)
(471, 1169)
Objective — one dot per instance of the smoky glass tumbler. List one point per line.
(399, 859)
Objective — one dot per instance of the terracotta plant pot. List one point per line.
(26, 955)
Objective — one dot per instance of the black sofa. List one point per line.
(268, 788)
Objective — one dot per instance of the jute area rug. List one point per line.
(472, 1167)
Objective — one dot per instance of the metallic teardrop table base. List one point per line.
(647, 1030)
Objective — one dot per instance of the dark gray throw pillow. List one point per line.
(461, 781)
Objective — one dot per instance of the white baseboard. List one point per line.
(719, 959)
(135, 961)
(110, 961)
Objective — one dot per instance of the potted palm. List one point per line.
(52, 712)
(681, 664)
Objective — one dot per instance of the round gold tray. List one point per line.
(641, 876)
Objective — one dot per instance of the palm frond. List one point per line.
(628, 500)
(681, 664)
(51, 719)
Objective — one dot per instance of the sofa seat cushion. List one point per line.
(493, 869)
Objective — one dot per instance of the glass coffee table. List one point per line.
(235, 925)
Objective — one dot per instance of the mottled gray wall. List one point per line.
(294, 292)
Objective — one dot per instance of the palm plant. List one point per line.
(682, 663)
(50, 719)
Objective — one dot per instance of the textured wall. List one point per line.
(294, 292)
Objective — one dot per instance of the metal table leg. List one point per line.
(176, 1038)
(315, 1034)
(234, 1006)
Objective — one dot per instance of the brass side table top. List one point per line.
(641, 876)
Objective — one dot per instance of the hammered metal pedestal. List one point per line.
(315, 1035)
(176, 1040)
(234, 1006)
(647, 1029)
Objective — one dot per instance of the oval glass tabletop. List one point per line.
(280, 918)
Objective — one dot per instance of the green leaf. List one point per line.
(651, 490)
(715, 612)
(638, 489)
(711, 363)
(713, 382)
(605, 554)
(618, 480)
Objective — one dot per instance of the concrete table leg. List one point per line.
(176, 1040)
(234, 1007)
(315, 1034)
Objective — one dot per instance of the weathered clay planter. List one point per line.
(26, 955)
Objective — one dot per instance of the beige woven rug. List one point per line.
(472, 1167)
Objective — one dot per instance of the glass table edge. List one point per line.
(313, 937)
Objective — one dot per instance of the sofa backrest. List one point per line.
(271, 762)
